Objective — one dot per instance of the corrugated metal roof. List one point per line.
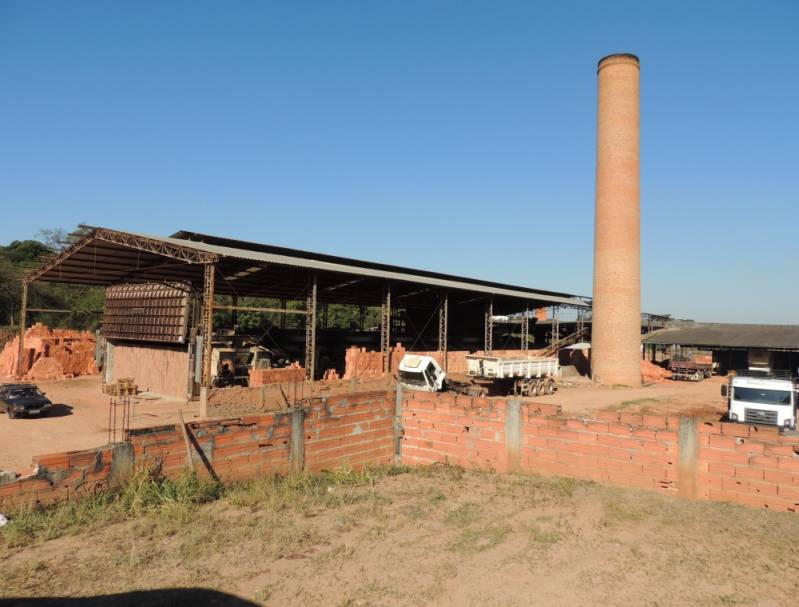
(397, 273)
(720, 335)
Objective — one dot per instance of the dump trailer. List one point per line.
(523, 376)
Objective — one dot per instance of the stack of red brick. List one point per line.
(50, 354)
(264, 377)
(651, 373)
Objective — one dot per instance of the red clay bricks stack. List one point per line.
(50, 354)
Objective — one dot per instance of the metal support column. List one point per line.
(526, 329)
(23, 319)
(443, 312)
(555, 337)
(385, 329)
(283, 315)
(324, 315)
(234, 314)
(361, 317)
(310, 331)
(581, 323)
(209, 275)
(488, 325)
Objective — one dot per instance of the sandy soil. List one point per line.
(668, 397)
(436, 537)
(79, 420)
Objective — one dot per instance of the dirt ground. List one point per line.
(78, 420)
(668, 398)
(432, 536)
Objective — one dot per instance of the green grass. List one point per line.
(172, 502)
(145, 494)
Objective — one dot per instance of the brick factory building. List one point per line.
(165, 296)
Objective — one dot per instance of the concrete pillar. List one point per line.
(514, 439)
(399, 431)
(688, 442)
(297, 445)
(616, 330)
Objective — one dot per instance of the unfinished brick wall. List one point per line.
(752, 465)
(263, 377)
(238, 400)
(332, 432)
(60, 476)
(350, 430)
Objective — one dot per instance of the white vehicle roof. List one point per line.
(414, 363)
(769, 383)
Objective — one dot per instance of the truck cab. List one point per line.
(762, 398)
(421, 373)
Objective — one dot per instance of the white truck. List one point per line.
(522, 376)
(761, 398)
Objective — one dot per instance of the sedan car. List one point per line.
(23, 399)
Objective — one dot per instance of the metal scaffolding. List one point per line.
(443, 311)
(209, 274)
(488, 327)
(555, 336)
(526, 329)
(310, 330)
(385, 328)
(580, 329)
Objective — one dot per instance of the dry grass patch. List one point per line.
(393, 536)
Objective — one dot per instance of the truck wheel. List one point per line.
(550, 388)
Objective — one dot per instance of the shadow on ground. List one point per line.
(60, 410)
(173, 597)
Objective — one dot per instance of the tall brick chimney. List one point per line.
(616, 322)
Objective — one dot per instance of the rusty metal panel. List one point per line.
(147, 312)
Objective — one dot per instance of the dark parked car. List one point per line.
(23, 399)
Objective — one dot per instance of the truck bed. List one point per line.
(509, 368)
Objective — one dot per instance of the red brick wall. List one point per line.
(60, 475)
(263, 377)
(459, 430)
(752, 465)
(350, 430)
(236, 449)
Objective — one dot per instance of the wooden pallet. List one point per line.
(124, 386)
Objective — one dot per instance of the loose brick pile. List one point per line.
(50, 354)
(651, 373)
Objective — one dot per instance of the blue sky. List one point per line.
(453, 136)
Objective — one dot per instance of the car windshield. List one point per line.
(412, 378)
(758, 395)
(25, 392)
